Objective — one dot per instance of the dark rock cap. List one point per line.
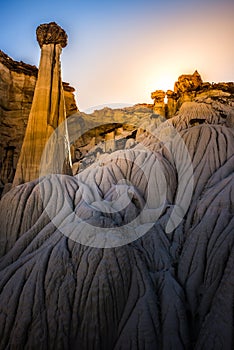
(51, 33)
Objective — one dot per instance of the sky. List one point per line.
(120, 51)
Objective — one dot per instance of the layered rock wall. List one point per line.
(17, 84)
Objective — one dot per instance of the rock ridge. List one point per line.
(187, 88)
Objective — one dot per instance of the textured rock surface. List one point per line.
(162, 291)
(17, 85)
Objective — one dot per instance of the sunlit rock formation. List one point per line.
(171, 105)
(47, 111)
(189, 87)
(17, 85)
(159, 105)
(188, 82)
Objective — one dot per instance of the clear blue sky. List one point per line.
(121, 51)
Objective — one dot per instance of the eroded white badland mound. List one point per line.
(165, 282)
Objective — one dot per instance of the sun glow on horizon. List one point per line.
(163, 82)
(125, 63)
(120, 53)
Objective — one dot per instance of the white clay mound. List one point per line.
(169, 286)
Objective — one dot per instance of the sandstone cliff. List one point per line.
(17, 84)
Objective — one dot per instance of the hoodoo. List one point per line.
(47, 112)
